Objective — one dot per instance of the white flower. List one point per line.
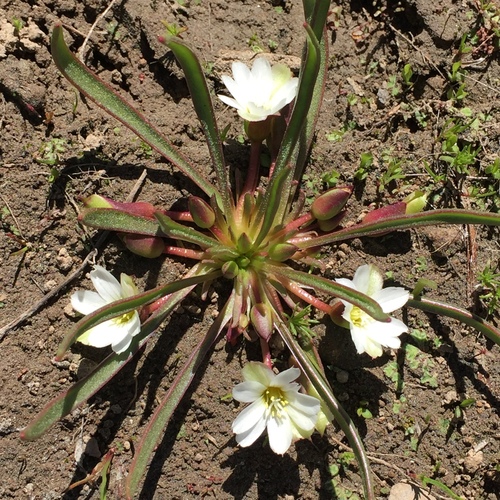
(117, 332)
(368, 334)
(261, 91)
(276, 404)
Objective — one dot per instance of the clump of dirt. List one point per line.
(56, 148)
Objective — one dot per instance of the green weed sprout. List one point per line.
(259, 238)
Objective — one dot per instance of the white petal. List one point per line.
(248, 437)
(359, 337)
(248, 391)
(387, 333)
(258, 372)
(249, 417)
(128, 288)
(307, 405)
(286, 377)
(391, 298)
(103, 335)
(301, 420)
(236, 91)
(134, 327)
(280, 434)
(229, 101)
(368, 279)
(106, 284)
(86, 301)
(373, 348)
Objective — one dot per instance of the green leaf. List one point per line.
(325, 392)
(80, 392)
(430, 218)
(156, 426)
(203, 105)
(99, 92)
(113, 219)
(462, 315)
(321, 284)
(123, 306)
(178, 231)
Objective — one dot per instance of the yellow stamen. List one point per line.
(275, 401)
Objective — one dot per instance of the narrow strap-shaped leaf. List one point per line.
(306, 137)
(430, 218)
(156, 426)
(319, 283)
(294, 129)
(178, 231)
(323, 389)
(454, 312)
(99, 92)
(267, 211)
(204, 109)
(85, 388)
(113, 219)
(123, 306)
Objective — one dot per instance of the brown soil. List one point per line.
(199, 456)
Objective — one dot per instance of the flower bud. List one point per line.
(258, 131)
(329, 204)
(230, 269)
(331, 224)
(145, 246)
(140, 208)
(415, 202)
(386, 212)
(282, 251)
(412, 204)
(262, 320)
(244, 243)
(202, 213)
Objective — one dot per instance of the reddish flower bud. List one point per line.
(386, 212)
(331, 224)
(202, 213)
(329, 204)
(145, 246)
(412, 204)
(262, 320)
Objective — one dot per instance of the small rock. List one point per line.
(69, 311)
(342, 376)
(473, 461)
(405, 491)
(92, 448)
(64, 261)
(450, 397)
(49, 285)
(198, 457)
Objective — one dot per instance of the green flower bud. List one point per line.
(282, 251)
(230, 269)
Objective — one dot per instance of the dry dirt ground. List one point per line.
(415, 428)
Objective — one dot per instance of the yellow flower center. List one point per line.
(124, 318)
(275, 401)
(358, 317)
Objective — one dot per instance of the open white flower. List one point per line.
(276, 404)
(368, 334)
(261, 91)
(117, 332)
